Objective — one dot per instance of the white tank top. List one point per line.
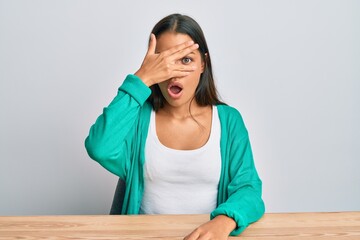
(181, 181)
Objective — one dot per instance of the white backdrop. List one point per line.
(292, 68)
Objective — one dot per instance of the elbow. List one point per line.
(261, 208)
(95, 151)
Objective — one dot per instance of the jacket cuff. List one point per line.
(240, 222)
(133, 86)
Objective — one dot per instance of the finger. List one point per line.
(192, 236)
(183, 52)
(179, 74)
(204, 237)
(178, 48)
(178, 70)
(183, 68)
(152, 44)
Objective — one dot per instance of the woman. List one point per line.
(178, 148)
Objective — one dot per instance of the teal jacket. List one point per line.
(117, 142)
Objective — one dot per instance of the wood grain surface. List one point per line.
(340, 225)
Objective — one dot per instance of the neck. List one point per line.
(183, 111)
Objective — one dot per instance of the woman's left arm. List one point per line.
(241, 203)
(244, 204)
(241, 189)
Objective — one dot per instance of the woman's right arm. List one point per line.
(106, 140)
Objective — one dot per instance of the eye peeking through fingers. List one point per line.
(186, 60)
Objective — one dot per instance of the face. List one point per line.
(180, 91)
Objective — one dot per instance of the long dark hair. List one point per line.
(205, 93)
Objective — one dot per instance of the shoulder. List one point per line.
(231, 119)
(228, 112)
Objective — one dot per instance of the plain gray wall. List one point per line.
(292, 68)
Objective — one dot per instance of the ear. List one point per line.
(203, 63)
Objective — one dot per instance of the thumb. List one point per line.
(152, 44)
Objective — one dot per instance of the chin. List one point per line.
(178, 102)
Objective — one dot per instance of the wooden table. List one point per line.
(342, 225)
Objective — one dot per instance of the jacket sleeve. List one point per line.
(244, 203)
(107, 141)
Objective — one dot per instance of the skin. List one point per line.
(174, 57)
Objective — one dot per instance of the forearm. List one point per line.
(106, 136)
(226, 223)
(245, 206)
(218, 228)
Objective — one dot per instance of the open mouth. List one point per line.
(175, 89)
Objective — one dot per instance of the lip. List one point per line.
(174, 95)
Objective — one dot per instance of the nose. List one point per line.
(174, 79)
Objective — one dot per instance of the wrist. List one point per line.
(145, 80)
(227, 223)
